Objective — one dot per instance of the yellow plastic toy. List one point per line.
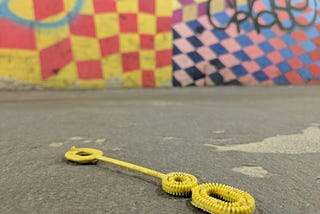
(210, 197)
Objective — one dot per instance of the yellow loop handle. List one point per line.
(88, 155)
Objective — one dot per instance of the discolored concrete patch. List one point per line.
(306, 142)
(252, 171)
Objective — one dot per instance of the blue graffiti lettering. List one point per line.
(6, 12)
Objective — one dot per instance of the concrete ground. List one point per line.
(265, 141)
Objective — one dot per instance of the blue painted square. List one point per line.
(312, 32)
(193, 25)
(195, 57)
(247, 26)
(268, 33)
(287, 24)
(305, 58)
(263, 61)
(195, 41)
(222, 18)
(281, 80)
(217, 78)
(217, 63)
(239, 70)
(305, 74)
(308, 46)
(288, 39)
(284, 67)
(220, 34)
(260, 76)
(176, 50)
(218, 49)
(241, 55)
(266, 47)
(195, 73)
(244, 41)
(175, 66)
(175, 34)
(286, 53)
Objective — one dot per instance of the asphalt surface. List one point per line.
(261, 140)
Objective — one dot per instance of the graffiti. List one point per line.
(6, 12)
(268, 17)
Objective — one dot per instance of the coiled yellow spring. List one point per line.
(212, 198)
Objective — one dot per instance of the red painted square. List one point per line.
(147, 6)
(318, 25)
(130, 61)
(55, 57)
(299, 35)
(148, 79)
(15, 36)
(83, 25)
(315, 55)
(46, 8)
(295, 63)
(316, 41)
(90, 69)
(109, 46)
(128, 23)
(101, 6)
(272, 71)
(163, 58)
(277, 43)
(314, 69)
(146, 42)
(297, 49)
(294, 78)
(164, 24)
(275, 57)
(253, 52)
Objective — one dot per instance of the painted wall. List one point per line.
(86, 43)
(246, 42)
(65, 44)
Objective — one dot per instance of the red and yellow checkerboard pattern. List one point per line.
(110, 43)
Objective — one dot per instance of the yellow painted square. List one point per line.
(20, 65)
(47, 37)
(85, 48)
(216, 7)
(163, 41)
(112, 66)
(87, 8)
(92, 84)
(107, 24)
(128, 6)
(164, 8)
(163, 77)
(176, 5)
(66, 78)
(22, 8)
(190, 12)
(242, 2)
(200, 1)
(129, 42)
(132, 79)
(147, 24)
(147, 60)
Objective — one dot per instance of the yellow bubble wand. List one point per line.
(210, 197)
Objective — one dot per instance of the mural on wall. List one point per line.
(86, 43)
(65, 44)
(246, 42)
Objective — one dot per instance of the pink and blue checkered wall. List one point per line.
(246, 42)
